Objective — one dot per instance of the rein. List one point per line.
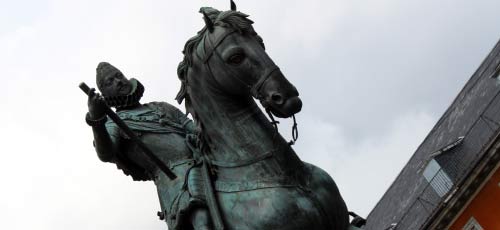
(295, 130)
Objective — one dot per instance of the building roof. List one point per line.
(456, 143)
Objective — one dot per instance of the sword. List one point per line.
(119, 122)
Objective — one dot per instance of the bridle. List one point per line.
(210, 47)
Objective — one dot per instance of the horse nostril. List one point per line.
(277, 98)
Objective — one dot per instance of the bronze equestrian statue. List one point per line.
(259, 181)
(234, 170)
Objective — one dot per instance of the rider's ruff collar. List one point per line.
(131, 99)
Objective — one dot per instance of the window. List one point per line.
(472, 224)
(442, 168)
(438, 178)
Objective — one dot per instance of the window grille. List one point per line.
(437, 177)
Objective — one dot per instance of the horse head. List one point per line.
(233, 54)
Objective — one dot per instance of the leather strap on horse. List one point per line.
(212, 202)
(256, 87)
(242, 163)
(295, 131)
(213, 45)
(213, 205)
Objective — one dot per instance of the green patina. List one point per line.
(234, 170)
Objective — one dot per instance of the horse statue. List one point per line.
(258, 181)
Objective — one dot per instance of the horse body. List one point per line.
(260, 181)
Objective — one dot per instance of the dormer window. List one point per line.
(437, 176)
(472, 224)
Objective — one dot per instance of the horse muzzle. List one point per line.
(287, 109)
(279, 96)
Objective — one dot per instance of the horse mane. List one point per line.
(230, 19)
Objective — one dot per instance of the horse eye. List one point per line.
(236, 59)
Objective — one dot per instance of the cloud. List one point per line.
(370, 165)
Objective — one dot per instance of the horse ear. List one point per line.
(208, 22)
(233, 6)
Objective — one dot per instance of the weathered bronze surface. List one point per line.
(161, 127)
(234, 170)
(121, 124)
(259, 180)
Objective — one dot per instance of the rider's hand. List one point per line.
(96, 105)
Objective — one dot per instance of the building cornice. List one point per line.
(446, 213)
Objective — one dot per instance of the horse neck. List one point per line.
(234, 129)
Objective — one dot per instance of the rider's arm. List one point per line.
(106, 142)
(105, 139)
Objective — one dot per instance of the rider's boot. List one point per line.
(200, 219)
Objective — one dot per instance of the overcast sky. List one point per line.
(374, 76)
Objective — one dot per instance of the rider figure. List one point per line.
(165, 130)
